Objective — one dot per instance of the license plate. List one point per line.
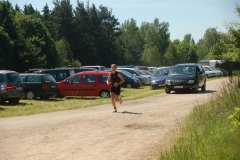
(18, 88)
(178, 86)
(53, 86)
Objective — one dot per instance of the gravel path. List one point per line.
(134, 132)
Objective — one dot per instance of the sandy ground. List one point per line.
(135, 132)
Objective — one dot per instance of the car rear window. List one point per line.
(49, 78)
(14, 77)
(34, 78)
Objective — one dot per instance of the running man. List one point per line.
(115, 79)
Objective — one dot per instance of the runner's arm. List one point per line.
(121, 79)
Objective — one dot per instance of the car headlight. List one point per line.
(136, 80)
(191, 81)
(153, 82)
(168, 82)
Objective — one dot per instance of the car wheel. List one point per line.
(203, 88)
(30, 95)
(2, 101)
(195, 89)
(104, 94)
(167, 90)
(128, 85)
(152, 88)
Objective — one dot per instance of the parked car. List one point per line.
(89, 83)
(35, 70)
(79, 69)
(142, 67)
(159, 77)
(217, 72)
(59, 74)
(147, 72)
(126, 66)
(100, 68)
(84, 69)
(209, 73)
(145, 79)
(130, 80)
(151, 69)
(11, 87)
(39, 85)
(186, 76)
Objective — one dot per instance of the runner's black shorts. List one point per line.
(115, 90)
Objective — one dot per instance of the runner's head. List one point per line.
(114, 67)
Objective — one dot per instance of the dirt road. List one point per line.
(96, 133)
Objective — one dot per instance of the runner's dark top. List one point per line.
(115, 78)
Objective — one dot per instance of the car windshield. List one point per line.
(183, 70)
(160, 72)
(125, 73)
(213, 68)
(206, 69)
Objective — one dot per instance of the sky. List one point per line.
(184, 16)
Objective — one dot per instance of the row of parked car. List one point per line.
(91, 81)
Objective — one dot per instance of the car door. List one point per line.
(88, 85)
(200, 75)
(72, 86)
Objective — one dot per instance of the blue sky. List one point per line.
(184, 16)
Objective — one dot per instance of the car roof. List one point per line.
(6, 71)
(186, 64)
(56, 69)
(33, 74)
(91, 72)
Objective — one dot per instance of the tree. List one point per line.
(157, 35)
(61, 18)
(6, 48)
(131, 43)
(65, 56)
(171, 56)
(34, 44)
(210, 38)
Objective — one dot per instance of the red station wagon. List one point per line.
(88, 83)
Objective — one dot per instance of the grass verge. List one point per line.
(28, 107)
(205, 133)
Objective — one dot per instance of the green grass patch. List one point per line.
(28, 107)
(205, 133)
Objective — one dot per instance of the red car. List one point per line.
(88, 83)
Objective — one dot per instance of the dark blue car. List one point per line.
(130, 80)
(159, 77)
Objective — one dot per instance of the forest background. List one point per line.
(87, 35)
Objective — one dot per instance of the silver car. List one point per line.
(217, 72)
(145, 79)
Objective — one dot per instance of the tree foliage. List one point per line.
(91, 35)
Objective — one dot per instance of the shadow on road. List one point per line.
(190, 92)
(126, 112)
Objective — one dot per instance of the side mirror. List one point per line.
(66, 81)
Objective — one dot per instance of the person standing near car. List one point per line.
(115, 79)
